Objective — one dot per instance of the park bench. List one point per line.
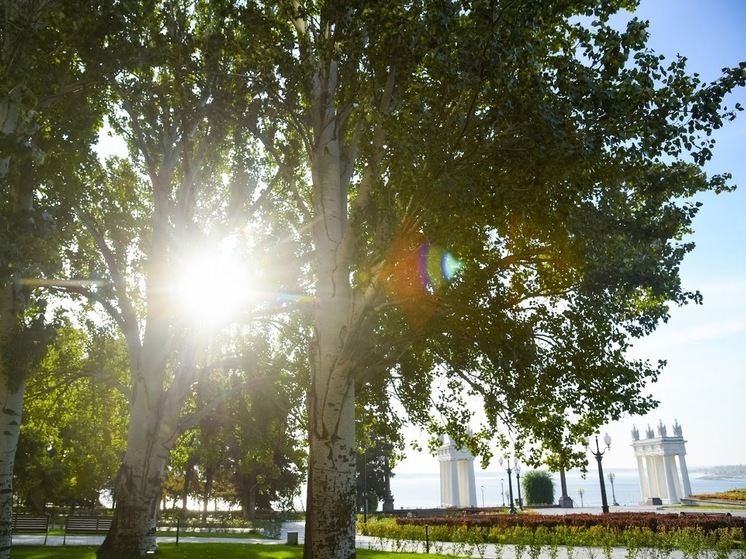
(86, 525)
(30, 524)
(693, 513)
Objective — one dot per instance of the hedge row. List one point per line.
(617, 521)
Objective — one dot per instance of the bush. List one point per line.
(538, 487)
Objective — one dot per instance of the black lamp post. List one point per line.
(365, 487)
(613, 496)
(518, 482)
(510, 484)
(599, 454)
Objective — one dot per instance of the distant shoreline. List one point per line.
(723, 477)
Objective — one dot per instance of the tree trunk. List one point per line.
(209, 477)
(11, 398)
(11, 388)
(189, 476)
(248, 496)
(138, 491)
(330, 519)
(138, 487)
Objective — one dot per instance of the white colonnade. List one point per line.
(660, 477)
(458, 487)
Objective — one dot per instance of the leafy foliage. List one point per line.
(72, 439)
(355, 149)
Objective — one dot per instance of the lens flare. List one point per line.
(436, 266)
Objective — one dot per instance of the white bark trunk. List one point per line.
(12, 383)
(154, 414)
(11, 399)
(138, 486)
(330, 522)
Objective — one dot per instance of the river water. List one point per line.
(423, 490)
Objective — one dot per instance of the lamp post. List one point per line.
(365, 487)
(502, 489)
(613, 496)
(510, 484)
(599, 454)
(518, 481)
(581, 491)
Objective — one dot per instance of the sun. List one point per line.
(213, 287)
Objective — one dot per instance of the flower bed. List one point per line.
(616, 521)
(732, 495)
(630, 530)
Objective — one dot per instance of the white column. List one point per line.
(660, 477)
(472, 482)
(676, 479)
(685, 476)
(444, 497)
(670, 487)
(652, 477)
(466, 499)
(455, 496)
(643, 475)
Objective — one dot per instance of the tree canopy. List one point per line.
(443, 201)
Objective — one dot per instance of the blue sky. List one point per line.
(704, 384)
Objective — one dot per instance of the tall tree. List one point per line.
(551, 152)
(46, 129)
(189, 182)
(72, 438)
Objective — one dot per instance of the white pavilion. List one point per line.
(458, 486)
(661, 480)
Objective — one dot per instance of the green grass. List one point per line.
(190, 534)
(200, 551)
(184, 532)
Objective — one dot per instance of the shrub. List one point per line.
(538, 487)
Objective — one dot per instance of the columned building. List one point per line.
(458, 487)
(661, 465)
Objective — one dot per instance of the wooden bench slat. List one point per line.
(86, 525)
(30, 524)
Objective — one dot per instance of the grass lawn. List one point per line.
(200, 551)
(185, 532)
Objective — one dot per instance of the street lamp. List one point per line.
(518, 481)
(510, 484)
(502, 489)
(365, 486)
(613, 496)
(581, 491)
(599, 454)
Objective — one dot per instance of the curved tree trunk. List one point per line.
(137, 492)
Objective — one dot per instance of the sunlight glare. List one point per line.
(213, 287)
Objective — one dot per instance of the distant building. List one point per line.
(661, 481)
(458, 486)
